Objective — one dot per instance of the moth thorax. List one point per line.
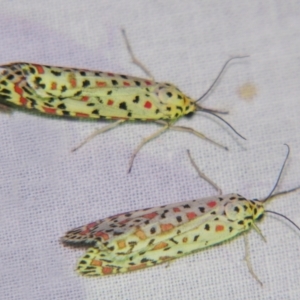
(239, 210)
(174, 99)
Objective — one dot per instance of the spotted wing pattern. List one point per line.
(90, 94)
(144, 238)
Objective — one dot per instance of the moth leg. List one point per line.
(197, 133)
(98, 131)
(144, 141)
(248, 262)
(259, 232)
(203, 176)
(134, 59)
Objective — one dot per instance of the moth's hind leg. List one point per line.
(145, 141)
(166, 126)
(98, 131)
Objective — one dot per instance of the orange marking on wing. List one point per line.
(104, 235)
(137, 267)
(212, 203)
(118, 118)
(121, 244)
(126, 83)
(23, 101)
(148, 105)
(176, 209)
(40, 69)
(166, 227)
(191, 215)
(107, 270)
(85, 98)
(141, 234)
(100, 84)
(88, 228)
(219, 228)
(150, 216)
(49, 110)
(73, 82)
(110, 102)
(91, 225)
(96, 263)
(124, 221)
(18, 90)
(53, 86)
(81, 115)
(185, 239)
(84, 232)
(160, 245)
(165, 258)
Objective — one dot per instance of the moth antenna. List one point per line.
(211, 112)
(219, 75)
(283, 216)
(278, 178)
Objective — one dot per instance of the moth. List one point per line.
(143, 238)
(78, 93)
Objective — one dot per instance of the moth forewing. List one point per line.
(162, 233)
(90, 94)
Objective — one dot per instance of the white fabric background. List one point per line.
(46, 190)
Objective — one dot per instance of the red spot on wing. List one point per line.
(110, 74)
(107, 270)
(176, 209)
(40, 69)
(124, 221)
(166, 227)
(85, 98)
(110, 102)
(126, 83)
(150, 216)
(91, 225)
(53, 86)
(73, 82)
(219, 228)
(148, 82)
(191, 215)
(88, 228)
(148, 104)
(212, 203)
(23, 101)
(49, 110)
(18, 90)
(81, 115)
(104, 235)
(100, 83)
(84, 232)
